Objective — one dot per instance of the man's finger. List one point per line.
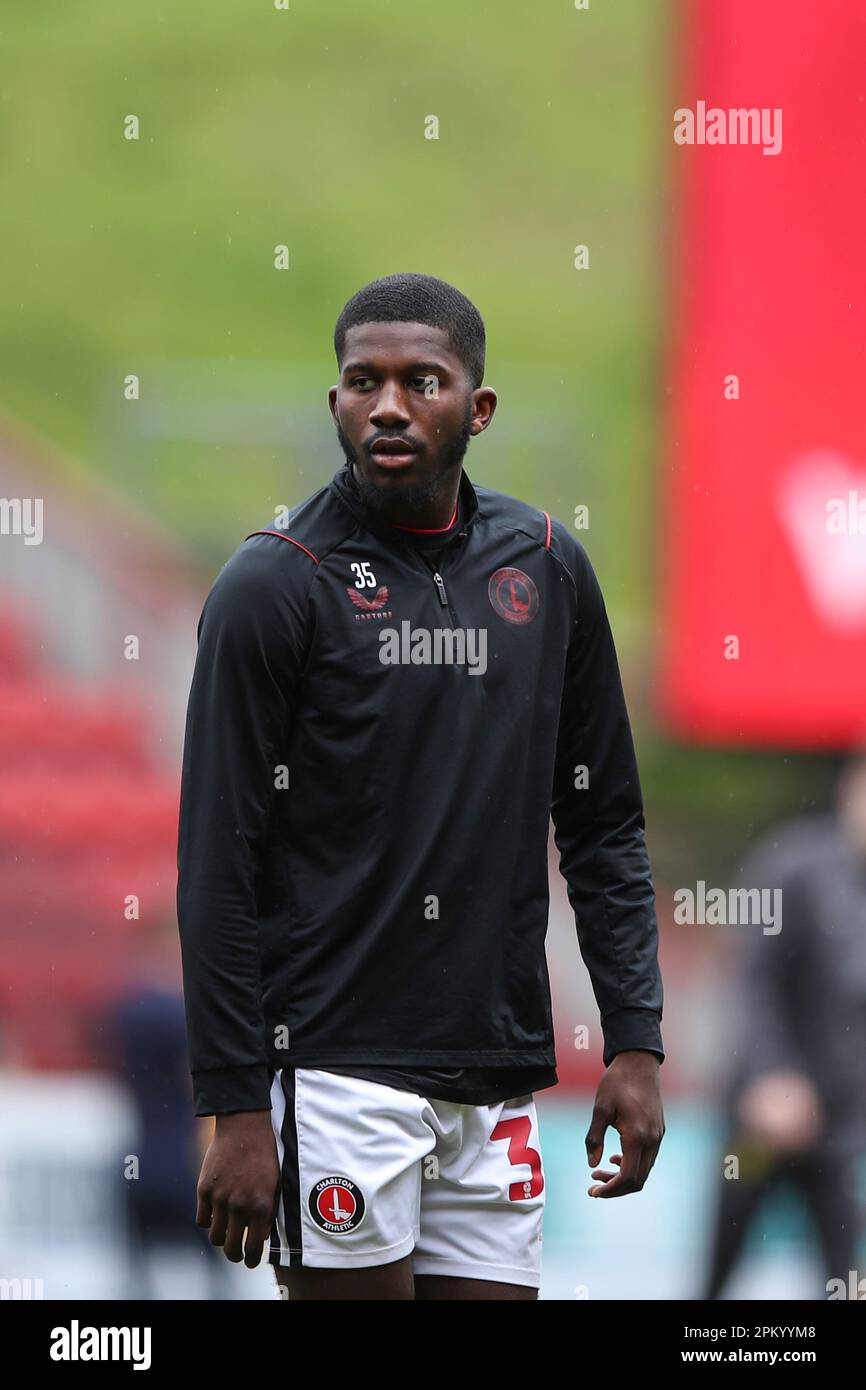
(204, 1210)
(234, 1242)
(651, 1149)
(595, 1134)
(218, 1224)
(626, 1179)
(258, 1232)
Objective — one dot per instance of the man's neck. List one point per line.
(428, 513)
(430, 530)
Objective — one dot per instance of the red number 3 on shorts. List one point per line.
(517, 1132)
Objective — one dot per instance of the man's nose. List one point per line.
(390, 407)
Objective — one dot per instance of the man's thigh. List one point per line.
(391, 1281)
(350, 1154)
(440, 1286)
(482, 1204)
(386, 1195)
(394, 1281)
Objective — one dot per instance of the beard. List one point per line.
(405, 498)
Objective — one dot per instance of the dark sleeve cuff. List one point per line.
(220, 1091)
(629, 1029)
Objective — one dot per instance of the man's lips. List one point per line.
(392, 452)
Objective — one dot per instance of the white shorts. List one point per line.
(371, 1174)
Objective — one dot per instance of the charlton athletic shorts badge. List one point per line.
(337, 1205)
(513, 595)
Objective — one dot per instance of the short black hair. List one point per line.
(411, 298)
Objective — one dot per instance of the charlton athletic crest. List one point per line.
(337, 1205)
(513, 595)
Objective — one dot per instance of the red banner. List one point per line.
(764, 495)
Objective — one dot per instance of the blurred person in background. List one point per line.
(144, 1045)
(795, 1101)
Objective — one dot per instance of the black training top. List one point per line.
(464, 1085)
(375, 742)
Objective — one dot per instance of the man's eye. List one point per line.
(358, 379)
(422, 382)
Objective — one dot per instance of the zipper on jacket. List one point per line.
(440, 586)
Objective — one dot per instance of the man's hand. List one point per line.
(629, 1099)
(237, 1187)
(784, 1109)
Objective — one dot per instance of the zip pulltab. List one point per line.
(438, 581)
(440, 585)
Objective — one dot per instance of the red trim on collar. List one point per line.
(428, 530)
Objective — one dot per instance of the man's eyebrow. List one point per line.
(438, 368)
